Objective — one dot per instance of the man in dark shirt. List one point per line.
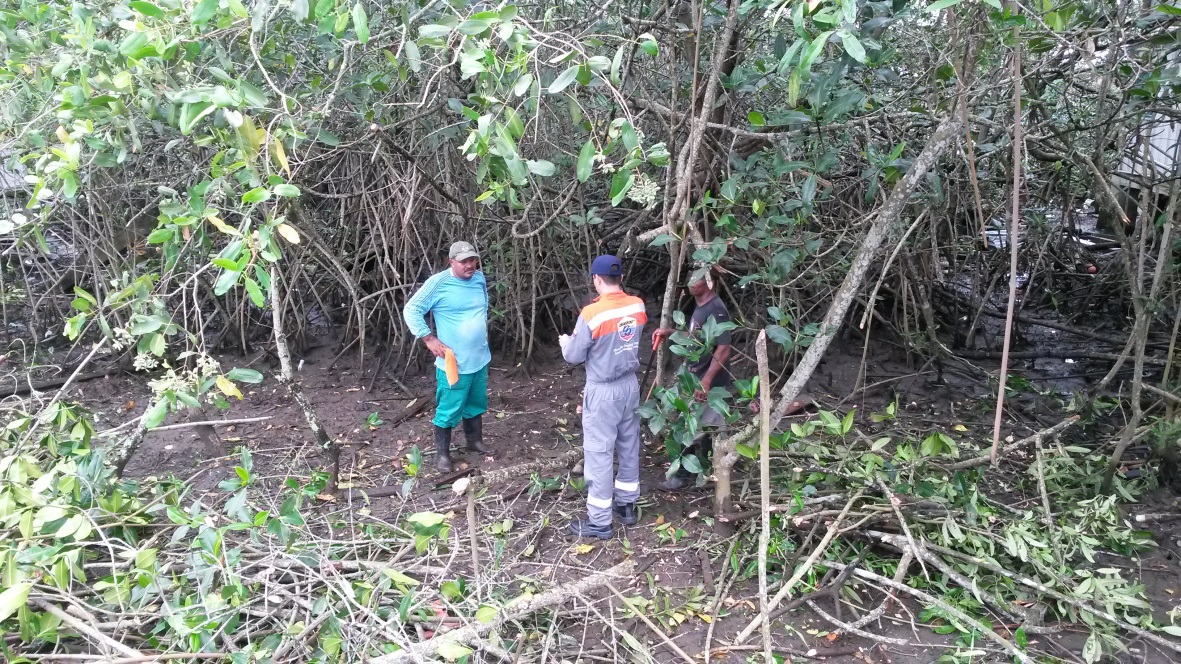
(710, 369)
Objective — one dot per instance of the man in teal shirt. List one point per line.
(458, 300)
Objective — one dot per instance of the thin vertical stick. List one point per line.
(764, 485)
(472, 533)
(1013, 243)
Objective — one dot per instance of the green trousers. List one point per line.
(464, 400)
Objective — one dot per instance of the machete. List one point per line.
(648, 369)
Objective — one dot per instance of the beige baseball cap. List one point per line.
(461, 251)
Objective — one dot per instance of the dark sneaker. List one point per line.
(583, 528)
(626, 513)
(677, 482)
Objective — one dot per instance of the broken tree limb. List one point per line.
(106, 643)
(515, 610)
(883, 582)
(1044, 434)
(764, 486)
(1042, 588)
(802, 570)
(652, 626)
(287, 378)
(883, 222)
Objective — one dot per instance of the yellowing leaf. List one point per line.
(288, 233)
(400, 578)
(580, 549)
(222, 226)
(281, 157)
(228, 388)
(706, 618)
(62, 134)
(251, 134)
(451, 651)
(960, 427)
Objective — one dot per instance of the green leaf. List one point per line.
(146, 325)
(238, 8)
(204, 11)
(541, 167)
(853, 46)
(522, 84)
(161, 235)
(942, 4)
(156, 414)
(399, 578)
(256, 195)
(244, 376)
(756, 118)
(14, 598)
(648, 44)
(586, 161)
(486, 614)
(426, 519)
(451, 651)
(299, 9)
(814, 50)
(225, 281)
(433, 31)
(255, 292)
(288, 190)
(621, 183)
(598, 63)
(564, 80)
(360, 23)
(190, 114)
(473, 26)
(413, 56)
(146, 8)
(616, 63)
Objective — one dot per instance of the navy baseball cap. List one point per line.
(607, 266)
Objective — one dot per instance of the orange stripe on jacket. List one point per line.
(605, 313)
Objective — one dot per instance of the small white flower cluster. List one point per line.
(123, 339)
(187, 380)
(645, 191)
(145, 362)
(171, 382)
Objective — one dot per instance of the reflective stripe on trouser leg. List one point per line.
(603, 408)
(627, 447)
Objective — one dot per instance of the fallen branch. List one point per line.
(881, 224)
(987, 631)
(802, 570)
(1043, 588)
(106, 643)
(652, 626)
(1028, 440)
(515, 610)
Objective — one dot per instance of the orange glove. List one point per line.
(452, 368)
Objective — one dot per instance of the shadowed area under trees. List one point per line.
(947, 234)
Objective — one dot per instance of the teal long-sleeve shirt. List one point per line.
(460, 309)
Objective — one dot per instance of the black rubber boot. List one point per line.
(680, 480)
(626, 513)
(443, 449)
(473, 433)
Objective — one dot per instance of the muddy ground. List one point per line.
(533, 416)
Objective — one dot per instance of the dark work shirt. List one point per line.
(717, 311)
